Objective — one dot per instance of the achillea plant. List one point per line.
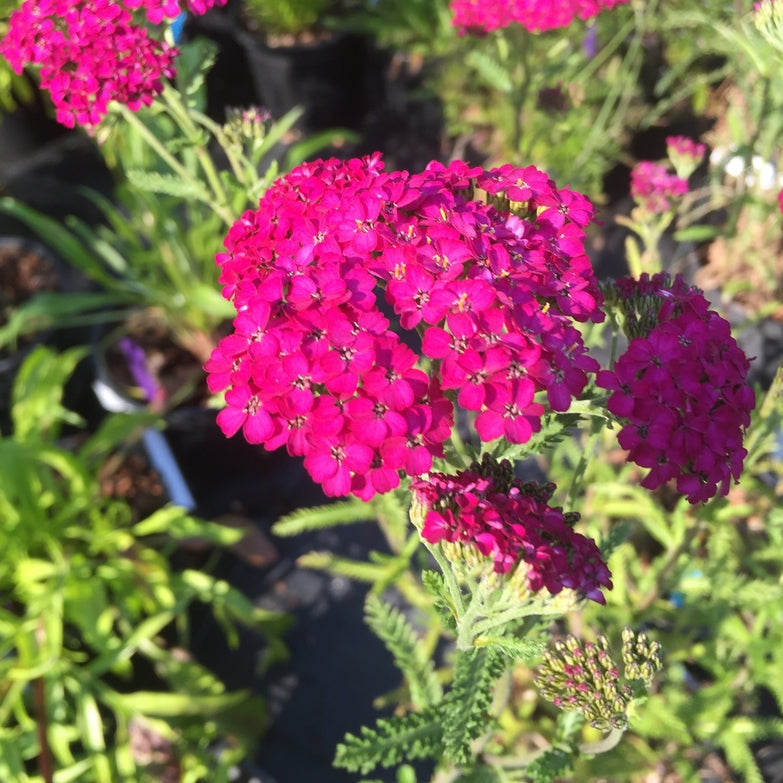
(490, 288)
(411, 336)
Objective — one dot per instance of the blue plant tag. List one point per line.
(177, 26)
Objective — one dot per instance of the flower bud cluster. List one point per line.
(584, 676)
(768, 19)
(641, 657)
(684, 154)
(654, 188)
(492, 286)
(92, 52)
(484, 16)
(680, 388)
(244, 128)
(488, 511)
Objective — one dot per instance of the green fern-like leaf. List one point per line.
(374, 573)
(554, 429)
(481, 773)
(467, 704)
(618, 534)
(522, 650)
(490, 70)
(552, 764)
(390, 625)
(392, 513)
(736, 740)
(418, 735)
(756, 595)
(434, 584)
(304, 519)
(741, 758)
(167, 184)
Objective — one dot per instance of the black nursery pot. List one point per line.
(326, 78)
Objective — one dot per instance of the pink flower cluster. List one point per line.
(484, 16)
(492, 286)
(512, 523)
(681, 389)
(91, 52)
(654, 187)
(158, 11)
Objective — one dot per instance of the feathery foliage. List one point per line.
(343, 512)
(417, 735)
(466, 707)
(410, 656)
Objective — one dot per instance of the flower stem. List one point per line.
(133, 119)
(182, 117)
(603, 745)
(458, 605)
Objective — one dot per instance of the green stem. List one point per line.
(519, 94)
(181, 116)
(603, 745)
(521, 761)
(133, 119)
(669, 564)
(504, 617)
(620, 94)
(615, 322)
(458, 605)
(216, 131)
(466, 623)
(580, 472)
(459, 449)
(757, 440)
(45, 760)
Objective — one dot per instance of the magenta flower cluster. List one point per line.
(92, 52)
(655, 188)
(484, 16)
(681, 390)
(512, 524)
(487, 266)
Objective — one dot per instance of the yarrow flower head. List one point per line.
(91, 52)
(484, 16)
(486, 513)
(492, 286)
(680, 388)
(654, 188)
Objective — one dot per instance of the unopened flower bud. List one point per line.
(584, 676)
(768, 18)
(245, 127)
(642, 657)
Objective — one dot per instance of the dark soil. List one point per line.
(129, 476)
(25, 270)
(175, 372)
